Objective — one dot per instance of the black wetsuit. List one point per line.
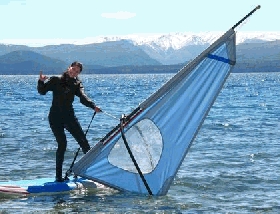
(62, 114)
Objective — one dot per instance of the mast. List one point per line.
(245, 17)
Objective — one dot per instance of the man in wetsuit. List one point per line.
(61, 115)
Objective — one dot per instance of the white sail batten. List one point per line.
(162, 128)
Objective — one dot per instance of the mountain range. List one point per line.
(256, 52)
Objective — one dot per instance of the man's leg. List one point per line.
(58, 131)
(74, 127)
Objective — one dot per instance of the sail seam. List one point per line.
(221, 59)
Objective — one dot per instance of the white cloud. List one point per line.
(119, 15)
(9, 2)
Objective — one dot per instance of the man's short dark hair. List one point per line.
(76, 63)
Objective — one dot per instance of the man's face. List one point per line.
(74, 71)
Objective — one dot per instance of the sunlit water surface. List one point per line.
(233, 165)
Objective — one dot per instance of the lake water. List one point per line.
(233, 165)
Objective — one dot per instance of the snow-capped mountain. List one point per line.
(179, 40)
(180, 47)
(145, 49)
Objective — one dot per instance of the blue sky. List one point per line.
(78, 19)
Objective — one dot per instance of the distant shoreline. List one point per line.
(85, 74)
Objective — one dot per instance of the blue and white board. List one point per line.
(43, 185)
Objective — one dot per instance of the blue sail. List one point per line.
(160, 130)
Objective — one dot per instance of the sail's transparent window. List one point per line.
(145, 142)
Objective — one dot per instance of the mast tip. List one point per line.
(258, 7)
